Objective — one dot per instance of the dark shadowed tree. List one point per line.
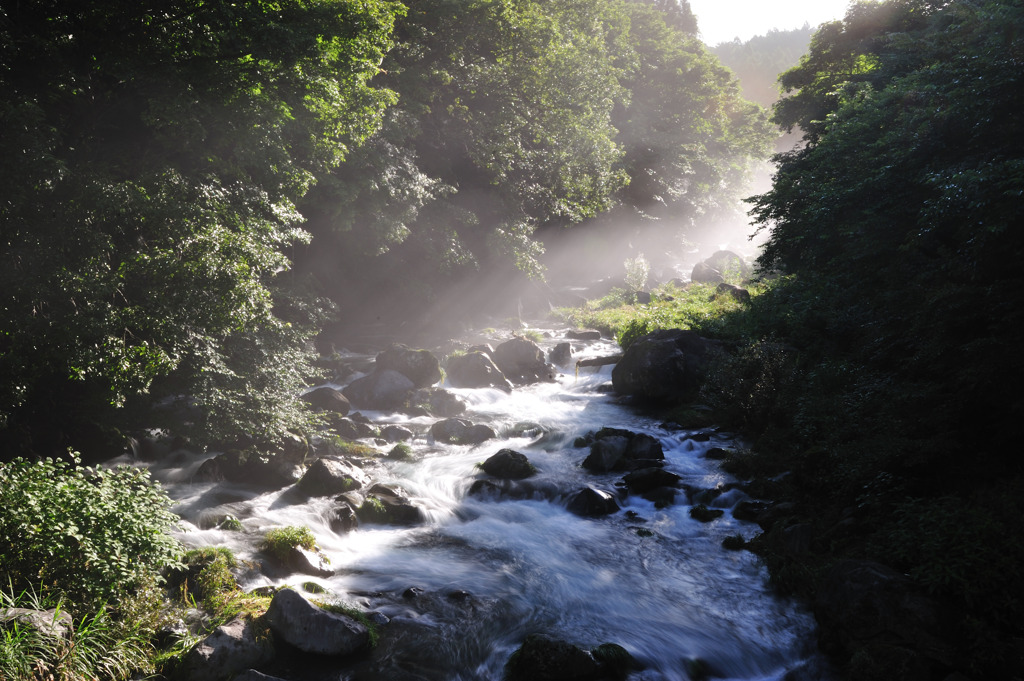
(898, 225)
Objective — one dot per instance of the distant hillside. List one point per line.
(759, 61)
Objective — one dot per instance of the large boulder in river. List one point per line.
(509, 465)
(648, 479)
(542, 658)
(230, 649)
(331, 476)
(388, 505)
(616, 449)
(350, 429)
(439, 402)
(730, 264)
(583, 334)
(265, 468)
(703, 273)
(419, 366)
(561, 354)
(395, 433)
(664, 365)
(591, 502)
(720, 266)
(313, 630)
(326, 398)
(522, 362)
(461, 432)
(532, 488)
(475, 370)
(384, 390)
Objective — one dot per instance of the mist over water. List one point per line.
(487, 572)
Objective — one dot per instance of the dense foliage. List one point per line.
(152, 156)
(86, 535)
(898, 217)
(159, 187)
(522, 116)
(903, 302)
(90, 544)
(877, 365)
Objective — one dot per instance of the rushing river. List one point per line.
(487, 572)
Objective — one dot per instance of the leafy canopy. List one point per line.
(520, 115)
(150, 188)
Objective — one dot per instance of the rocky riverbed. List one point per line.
(492, 509)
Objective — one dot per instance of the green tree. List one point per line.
(153, 155)
(758, 62)
(871, 45)
(687, 136)
(510, 103)
(518, 116)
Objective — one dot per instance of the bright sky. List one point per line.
(720, 21)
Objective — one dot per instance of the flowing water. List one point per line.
(486, 572)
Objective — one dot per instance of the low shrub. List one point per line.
(89, 536)
(401, 452)
(637, 271)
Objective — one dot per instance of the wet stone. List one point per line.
(509, 465)
(591, 502)
(704, 514)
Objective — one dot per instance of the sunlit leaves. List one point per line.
(150, 188)
(688, 137)
(522, 114)
(88, 535)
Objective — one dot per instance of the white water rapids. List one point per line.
(669, 595)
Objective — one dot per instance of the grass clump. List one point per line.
(355, 449)
(280, 541)
(532, 334)
(98, 645)
(698, 307)
(205, 578)
(401, 452)
(206, 581)
(230, 523)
